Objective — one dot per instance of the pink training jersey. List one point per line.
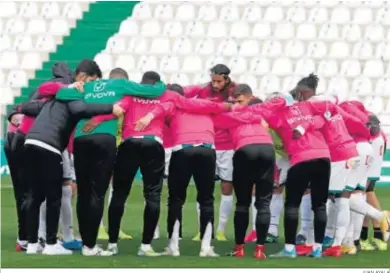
(244, 127)
(167, 136)
(357, 109)
(223, 140)
(284, 120)
(137, 108)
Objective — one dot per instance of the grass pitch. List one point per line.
(132, 224)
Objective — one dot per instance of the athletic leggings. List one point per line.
(44, 176)
(253, 164)
(148, 155)
(198, 162)
(314, 174)
(14, 149)
(94, 159)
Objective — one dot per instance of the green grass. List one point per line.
(132, 223)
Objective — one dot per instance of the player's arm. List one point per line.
(131, 88)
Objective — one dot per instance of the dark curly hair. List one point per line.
(309, 82)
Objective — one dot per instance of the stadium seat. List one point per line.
(50, 10)
(260, 66)
(45, 43)
(6, 95)
(195, 29)
(252, 14)
(9, 60)
(362, 86)
(249, 48)
(59, 27)
(374, 33)
(2, 78)
(228, 48)
(329, 32)
(238, 66)
(17, 79)
(147, 63)
(116, 44)
(23, 43)
(318, 15)
(182, 46)
(172, 29)
(216, 30)
(373, 69)
(207, 13)
(328, 68)
(126, 62)
(31, 61)
(304, 67)
(272, 49)
(28, 10)
(8, 9)
(239, 30)
(362, 50)
(104, 60)
(289, 82)
(383, 51)
(170, 64)
(160, 46)
(36, 26)
(205, 47)
(261, 31)
(268, 85)
(140, 46)
(72, 11)
(163, 12)
(15, 26)
(350, 68)
(306, 32)
(340, 15)
(377, 105)
(129, 28)
(273, 14)
(317, 50)
(284, 31)
(296, 15)
(352, 33)
(229, 13)
(363, 16)
(282, 67)
(339, 50)
(337, 84)
(192, 64)
(150, 28)
(185, 12)
(5, 42)
(142, 11)
(249, 79)
(201, 78)
(181, 79)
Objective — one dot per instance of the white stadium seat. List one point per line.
(269, 84)
(72, 11)
(205, 47)
(192, 64)
(163, 12)
(304, 67)
(362, 50)
(239, 30)
(28, 10)
(139, 46)
(9, 59)
(150, 28)
(15, 26)
(352, 33)
(306, 32)
(373, 69)
(249, 79)
(284, 31)
(8, 9)
(50, 10)
(350, 68)
(260, 66)
(216, 30)
(23, 43)
(289, 82)
(182, 46)
(181, 79)
(45, 43)
(185, 12)
(375, 33)
(273, 14)
(340, 15)
(201, 78)
(294, 49)
(229, 13)
(261, 31)
(328, 68)
(142, 11)
(317, 50)
(207, 13)
(116, 44)
(363, 16)
(172, 29)
(5, 42)
(339, 50)
(337, 84)
(383, 51)
(31, 61)
(170, 64)
(318, 15)
(104, 60)
(59, 27)
(296, 15)
(329, 32)
(17, 79)
(228, 48)
(282, 67)
(147, 63)
(272, 49)
(160, 46)
(129, 28)
(252, 14)
(6, 95)
(36, 26)
(249, 48)
(238, 65)
(126, 62)
(362, 86)
(195, 29)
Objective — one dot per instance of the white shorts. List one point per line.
(378, 149)
(358, 175)
(339, 173)
(283, 165)
(168, 154)
(68, 166)
(225, 165)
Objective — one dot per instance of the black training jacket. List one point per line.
(57, 120)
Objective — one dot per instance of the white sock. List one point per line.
(310, 231)
(359, 219)
(343, 219)
(254, 213)
(317, 246)
(146, 247)
(101, 223)
(289, 247)
(198, 214)
(276, 207)
(206, 241)
(306, 214)
(332, 216)
(110, 191)
(174, 241)
(66, 217)
(360, 206)
(42, 221)
(224, 211)
(348, 240)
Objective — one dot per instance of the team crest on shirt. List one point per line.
(99, 86)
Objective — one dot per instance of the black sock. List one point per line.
(357, 243)
(378, 234)
(364, 234)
